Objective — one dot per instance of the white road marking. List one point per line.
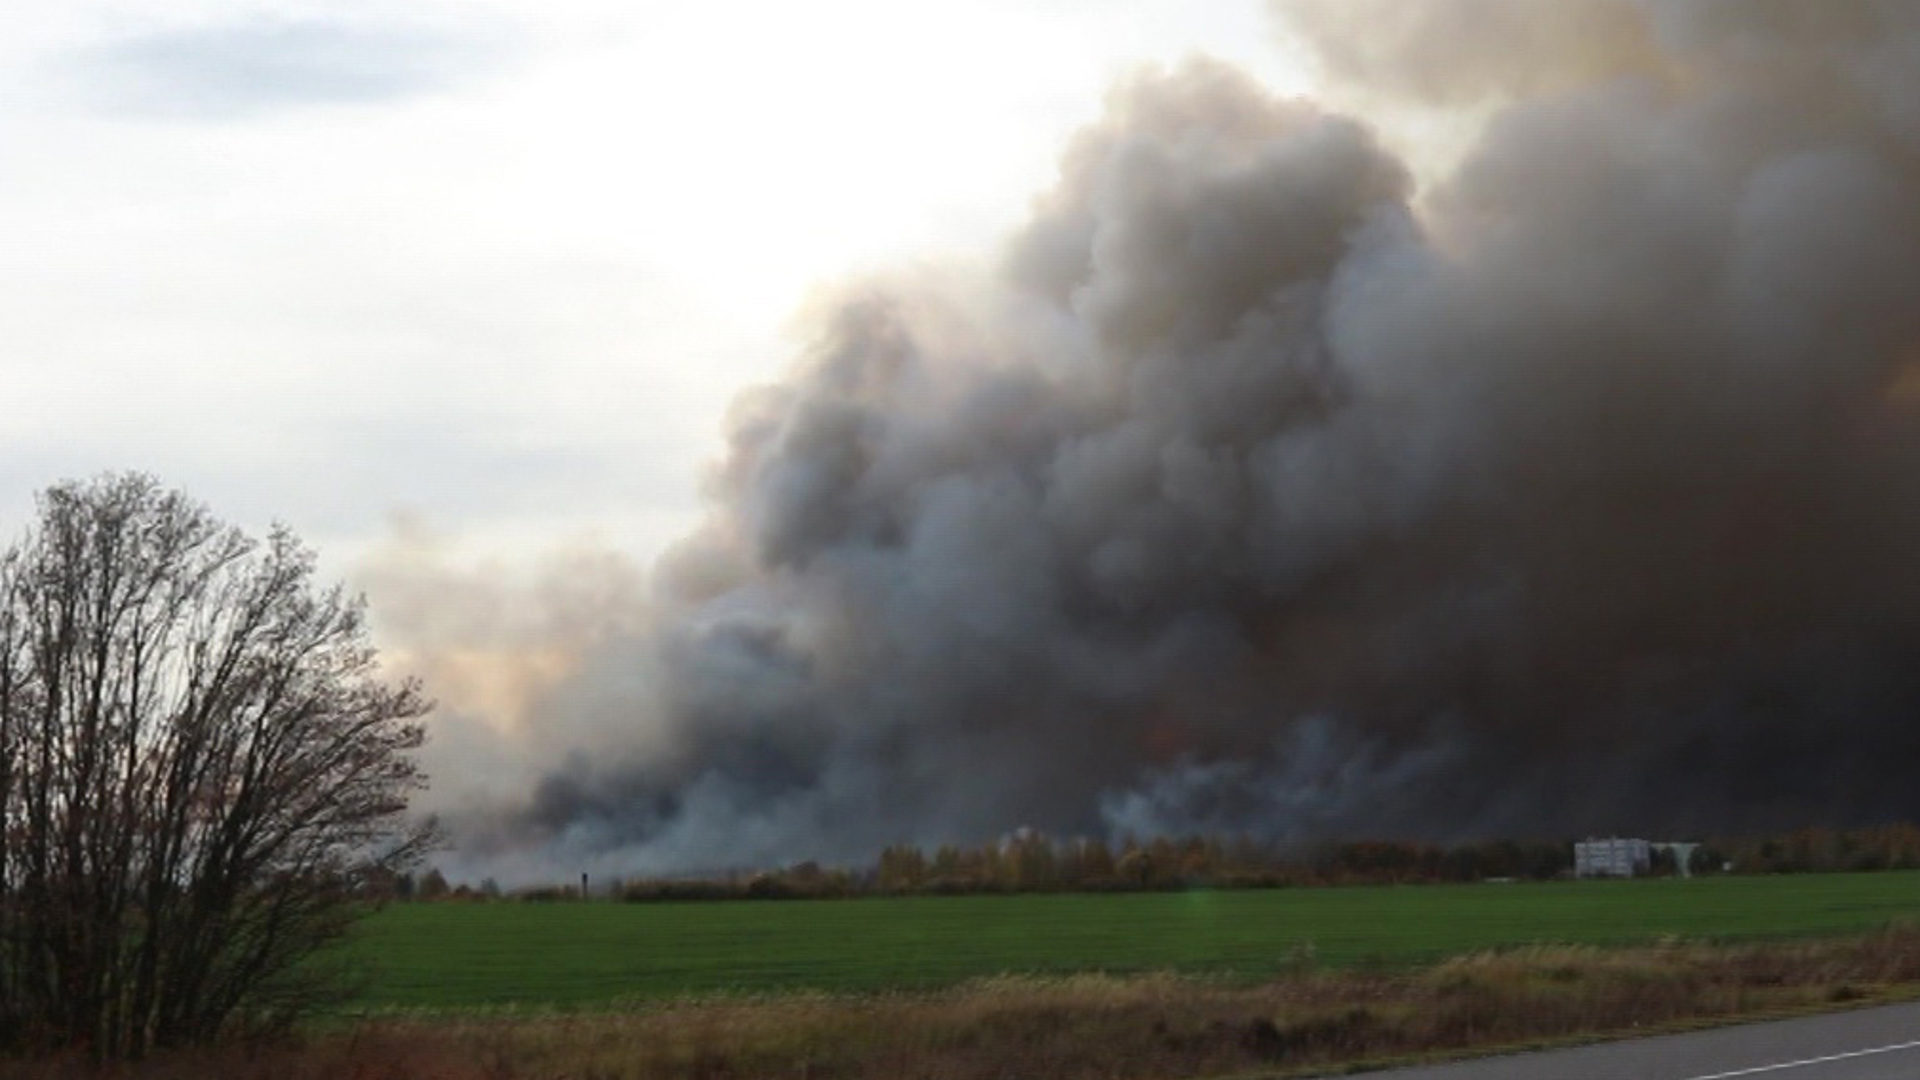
(1808, 1061)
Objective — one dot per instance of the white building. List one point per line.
(1612, 857)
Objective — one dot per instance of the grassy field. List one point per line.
(1090, 1027)
(458, 956)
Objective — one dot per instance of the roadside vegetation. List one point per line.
(1308, 1020)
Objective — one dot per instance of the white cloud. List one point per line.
(502, 264)
(260, 64)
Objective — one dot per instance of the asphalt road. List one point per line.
(1869, 1044)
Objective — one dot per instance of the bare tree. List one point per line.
(198, 763)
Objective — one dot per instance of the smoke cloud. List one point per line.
(1260, 489)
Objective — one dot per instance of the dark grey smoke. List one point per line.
(1251, 494)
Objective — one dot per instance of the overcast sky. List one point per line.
(494, 269)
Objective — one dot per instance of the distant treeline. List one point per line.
(1029, 862)
(1817, 850)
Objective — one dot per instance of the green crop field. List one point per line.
(452, 955)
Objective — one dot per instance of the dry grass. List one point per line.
(1090, 1026)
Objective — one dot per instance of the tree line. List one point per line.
(1031, 862)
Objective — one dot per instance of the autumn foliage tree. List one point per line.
(198, 764)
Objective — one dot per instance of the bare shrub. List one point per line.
(198, 764)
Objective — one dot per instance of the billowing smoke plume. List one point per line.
(1259, 491)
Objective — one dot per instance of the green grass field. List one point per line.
(457, 956)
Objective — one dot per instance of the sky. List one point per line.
(492, 272)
